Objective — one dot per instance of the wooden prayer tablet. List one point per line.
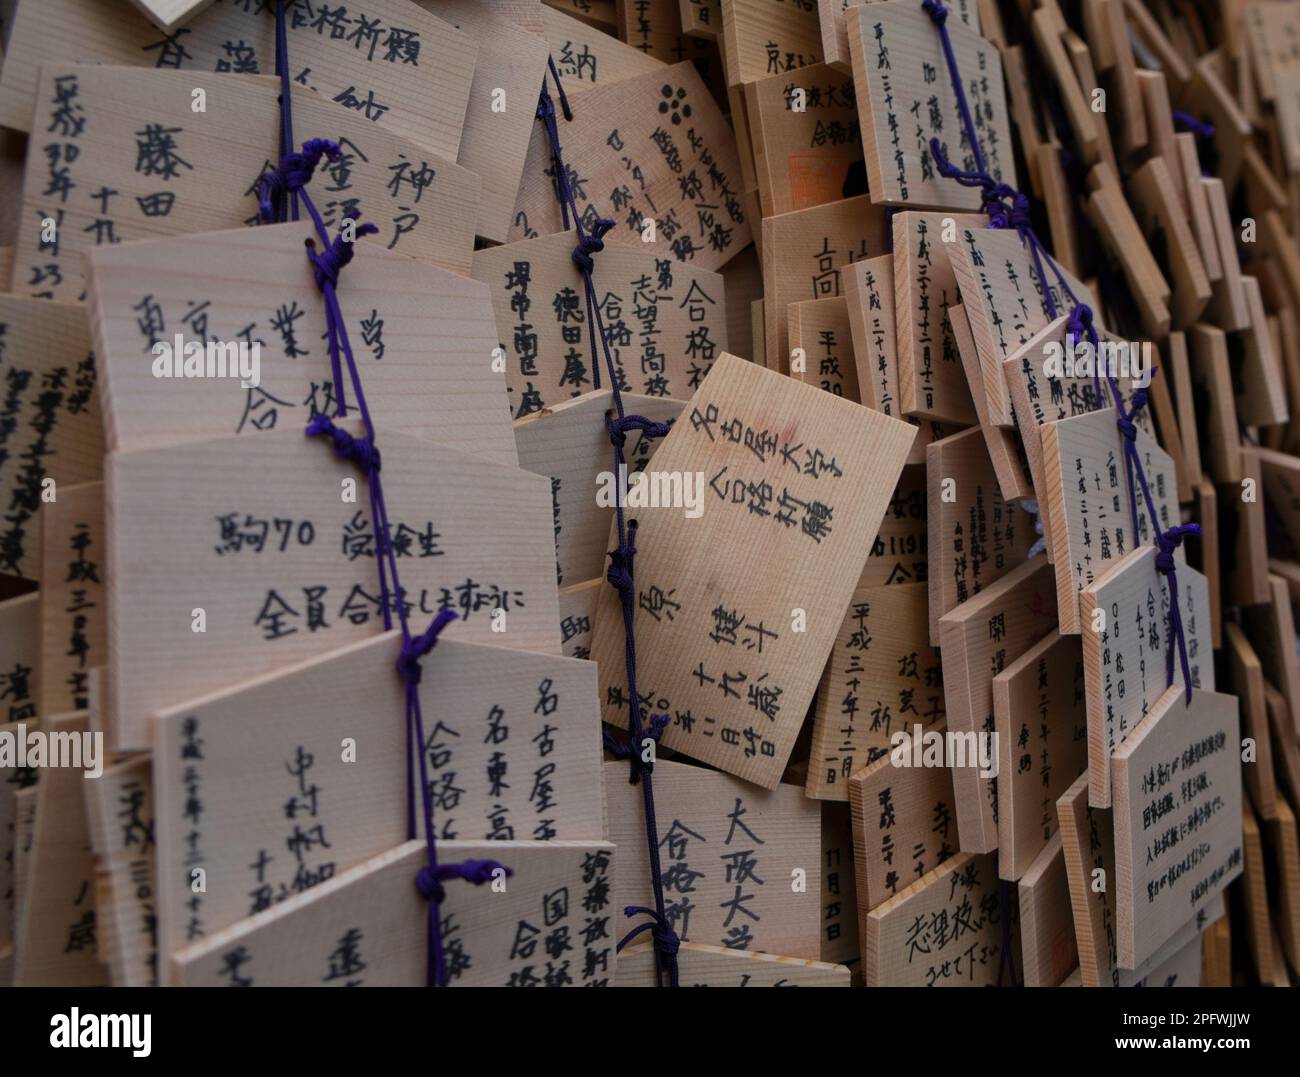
(701, 965)
(1247, 575)
(1212, 380)
(1048, 951)
(586, 55)
(804, 254)
(1186, 172)
(978, 640)
(1261, 400)
(834, 27)
(169, 14)
(103, 180)
(24, 831)
(1254, 900)
(494, 145)
(903, 825)
(512, 747)
(898, 555)
(907, 94)
(868, 286)
(1246, 677)
(1177, 808)
(20, 657)
(14, 780)
(49, 419)
(120, 813)
(55, 939)
(701, 18)
(1124, 621)
(729, 854)
(1164, 220)
(654, 27)
(805, 133)
(1273, 633)
(365, 927)
(1004, 300)
(665, 321)
(882, 679)
(1228, 307)
(932, 383)
(789, 475)
(72, 614)
(281, 569)
(422, 336)
(821, 338)
(974, 536)
(1041, 721)
(400, 69)
(1286, 841)
(577, 614)
(1041, 393)
(760, 39)
(1004, 448)
(1280, 473)
(909, 945)
(1088, 506)
(653, 147)
(742, 284)
(1282, 741)
(1273, 34)
(839, 924)
(597, 13)
(569, 444)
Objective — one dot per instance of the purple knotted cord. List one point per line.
(1006, 207)
(279, 193)
(619, 574)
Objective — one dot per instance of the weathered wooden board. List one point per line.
(728, 853)
(284, 569)
(665, 321)
(102, 179)
(362, 928)
(794, 476)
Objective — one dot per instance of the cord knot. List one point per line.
(1168, 542)
(661, 931)
(293, 173)
(429, 880)
(416, 647)
(618, 428)
(360, 450)
(936, 10)
(591, 242)
(330, 262)
(619, 573)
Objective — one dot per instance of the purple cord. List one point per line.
(619, 574)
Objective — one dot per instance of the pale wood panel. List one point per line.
(17, 786)
(701, 965)
(1048, 951)
(1247, 680)
(584, 54)
(839, 923)
(819, 328)
(20, 658)
(73, 618)
(760, 39)
(577, 614)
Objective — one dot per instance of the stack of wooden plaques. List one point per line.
(956, 709)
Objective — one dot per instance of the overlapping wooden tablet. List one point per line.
(50, 428)
(1248, 685)
(702, 965)
(790, 475)
(822, 341)
(1177, 811)
(569, 444)
(978, 640)
(577, 614)
(367, 927)
(422, 336)
(14, 780)
(20, 657)
(282, 568)
(651, 147)
(834, 28)
(839, 924)
(902, 77)
(760, 39)
(101, 178)
(73, 618)
(1272, 629)
(398, 68)
(512, 750)
(584, 54)
(882, 678)
(1040, 718)
(665, 321)
(1048, 951)
(909, 945)
(1125, 624)
(729, 855)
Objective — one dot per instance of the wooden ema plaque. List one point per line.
(569, 444)
(717, 646)
(1048, 952)
(676, 164)
(978, 640)
(1177, 804)
(422, 337)
(820, 338)
(101, 179)
(17, 800)
(1005, 303)
(701, 965)
(932, 383)
(1248, 685)
(511, 748)
(839, 924)
(73, 616)
(902, 75)
(974, 537)
(1042, 725)
(730, 854)
(834, 25)
(577, 614)
(882, 678)
(761, 39)
(364, 927)
(284, 568)
(665, 321)
(50, 425)
(397, 68)
(586, 55)
(912, 940)
(1088, 506)
(1124, 618)
(903, 825)
(898, 554)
